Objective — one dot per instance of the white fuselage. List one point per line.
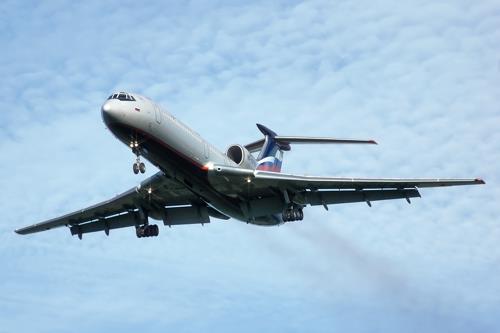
(173, 147)
(143, 115)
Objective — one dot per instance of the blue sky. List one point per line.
(420, 77)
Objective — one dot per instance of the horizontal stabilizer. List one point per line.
(318, 140)
(286, 141)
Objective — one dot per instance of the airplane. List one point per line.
(197, 182)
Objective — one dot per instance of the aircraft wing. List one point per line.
(327, 190)
(156, 191)
(315, 183)
(283, 180)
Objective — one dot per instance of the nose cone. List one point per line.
(111, 112)
(106, 107)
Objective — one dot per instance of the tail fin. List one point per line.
(267, 160)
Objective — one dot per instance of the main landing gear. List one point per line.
(138, 166)
(148, 230)
(293, 213)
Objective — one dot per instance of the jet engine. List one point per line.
(241, 156)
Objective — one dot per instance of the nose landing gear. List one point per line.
(138, 166)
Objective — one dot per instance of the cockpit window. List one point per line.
(122, 97)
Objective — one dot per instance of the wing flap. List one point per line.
(115, 222)
(316, 198)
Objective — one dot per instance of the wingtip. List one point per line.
(479, 181)
(373, 142)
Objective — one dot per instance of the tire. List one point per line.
(142, 167)
(135, 167)
(288, 215)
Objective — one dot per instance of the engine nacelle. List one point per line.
(241, 156)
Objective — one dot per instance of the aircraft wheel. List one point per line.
(139, 232)
(135, 167)
(142, 167)
(150, 230)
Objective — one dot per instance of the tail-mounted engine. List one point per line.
(241, 156)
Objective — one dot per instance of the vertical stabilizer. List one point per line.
(271, 155)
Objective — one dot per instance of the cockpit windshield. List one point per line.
(122, 96)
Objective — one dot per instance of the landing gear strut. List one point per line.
(148, 230)
(293, 213)
(138, 166)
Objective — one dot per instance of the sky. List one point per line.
(420, 77)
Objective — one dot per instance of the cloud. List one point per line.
(418, 77)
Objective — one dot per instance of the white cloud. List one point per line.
(420, 78)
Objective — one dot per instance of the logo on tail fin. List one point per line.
(270, 163)
(271, 154)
